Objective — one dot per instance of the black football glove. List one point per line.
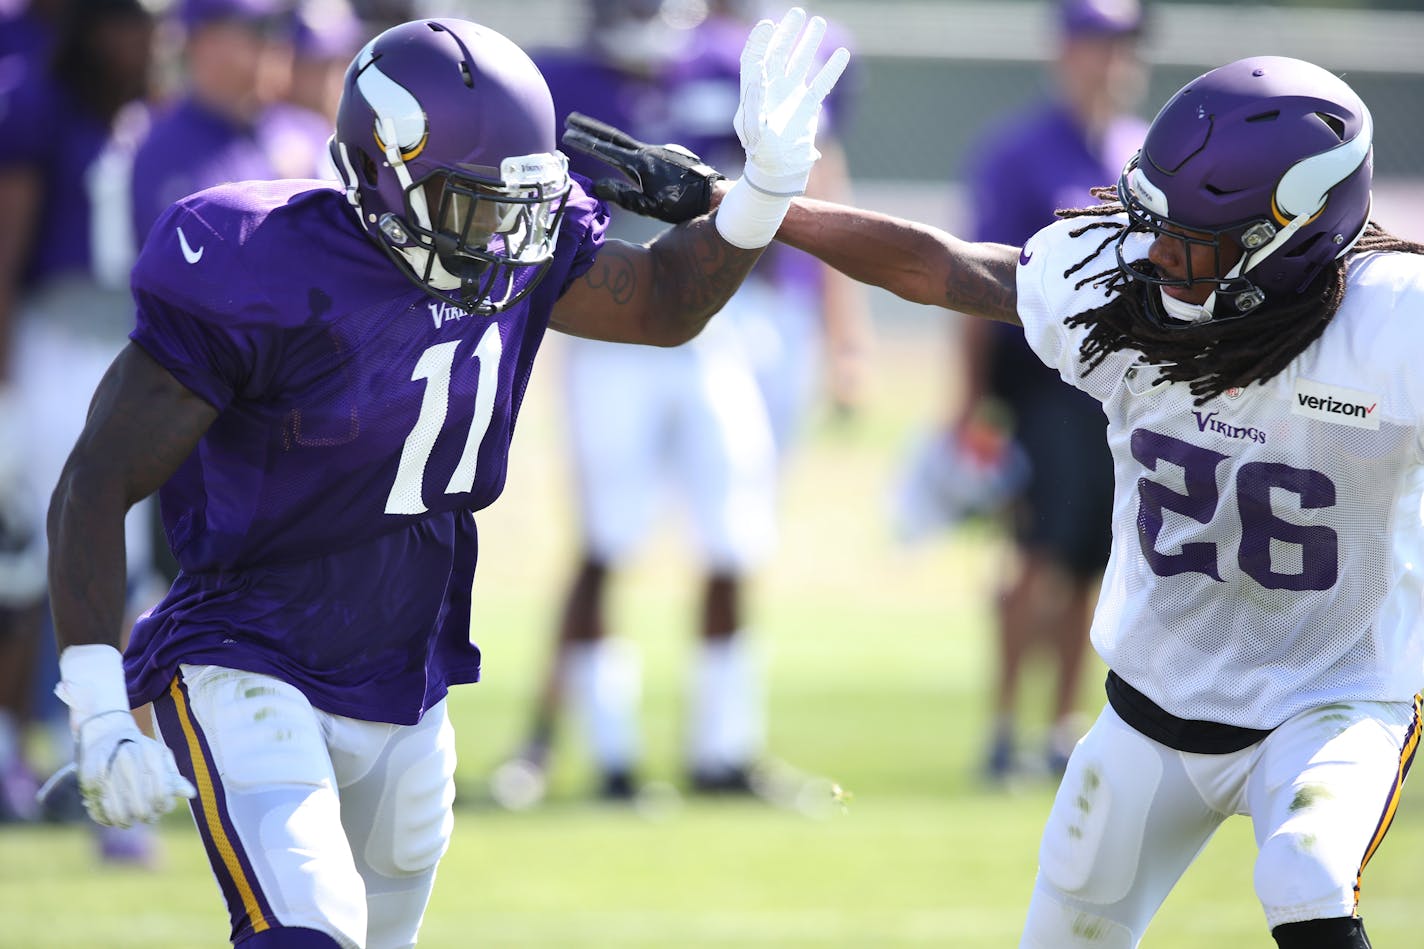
(668, 182)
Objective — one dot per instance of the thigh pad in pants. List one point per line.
(267, 805)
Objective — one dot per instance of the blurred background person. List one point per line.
(807, 327)
(378, 15)
(1023, 169)
(26, 39)
(326, 34)
(62, 319)
(223, 125)
(706, 422)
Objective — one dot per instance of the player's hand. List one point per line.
(667, 182)
(779, 108)
(124, 776)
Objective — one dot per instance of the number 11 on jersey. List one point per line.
(435, 366)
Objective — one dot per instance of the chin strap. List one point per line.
(1184, 311)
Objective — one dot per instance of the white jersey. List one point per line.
(1279, 543)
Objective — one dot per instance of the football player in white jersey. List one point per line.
(1254, 339)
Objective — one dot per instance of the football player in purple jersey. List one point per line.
(322, 386)
(1253, 338)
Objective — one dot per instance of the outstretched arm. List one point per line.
(920, 263)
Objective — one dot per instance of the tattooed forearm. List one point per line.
(695, 272)
(614, 273)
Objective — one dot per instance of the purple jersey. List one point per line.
(25, 34)
(323, 524)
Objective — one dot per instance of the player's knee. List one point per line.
(422, 818)
(1339, 932)
(1292, 874)
(282, 937)
(1055, 922)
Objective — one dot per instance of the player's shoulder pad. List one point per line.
(219, 250)
(1056, 259)
(1065, 240)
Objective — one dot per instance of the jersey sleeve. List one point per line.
(583, 231)
(199, 315)
(1048, 296)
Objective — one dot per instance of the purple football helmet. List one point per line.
(1271, 153)
(445, 141)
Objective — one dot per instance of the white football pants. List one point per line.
(689, 422)
(312, 820)
(1132, 814)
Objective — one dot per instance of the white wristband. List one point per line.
(748, 218)
(787, 184)
(91, 681)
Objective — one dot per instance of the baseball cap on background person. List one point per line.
(1100, 17)
(327, 30)
(325, 35)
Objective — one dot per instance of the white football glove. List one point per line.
(778, 111)
(124, 776)
(776, 122)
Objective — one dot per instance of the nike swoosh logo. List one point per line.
(1024, 255)
(189, 254)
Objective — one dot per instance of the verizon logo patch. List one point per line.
(1336, 404)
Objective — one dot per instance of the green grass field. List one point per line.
(878, 661)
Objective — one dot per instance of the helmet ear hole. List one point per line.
(1304, 249)
(368, 169)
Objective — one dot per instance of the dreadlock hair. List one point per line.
(1210, 357)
